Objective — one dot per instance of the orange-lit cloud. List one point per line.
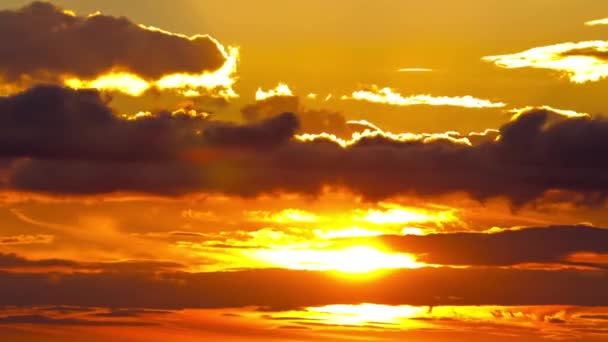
(26, 239)
(281, 89)
(580, 62)
(389, 96)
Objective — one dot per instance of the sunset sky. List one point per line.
(271, 170)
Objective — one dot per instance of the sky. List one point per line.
(303, 170)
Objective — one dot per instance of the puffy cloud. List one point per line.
(580, 62)
(42, 42)
(50, 122)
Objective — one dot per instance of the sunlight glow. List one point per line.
(363, 314)
(284, 216)
(281, 89)
(357, 259)
(216, 83)
(581, 62)
(389, 96)
(347, 233)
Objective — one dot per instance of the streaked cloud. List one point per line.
(23, 239)
(580, 62)
(415, 70)
(391, 97)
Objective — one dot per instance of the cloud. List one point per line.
(289, 289)
(26, 239)
(389, 96)
(596, 22)
(580, 62)
(312, 121)
(51, 132)
(46, 320)
(51, 122)
(43, 43)
(415, 70)
(281, 89)
(12, 262)
(505, 248)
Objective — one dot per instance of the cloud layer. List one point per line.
(51, 132)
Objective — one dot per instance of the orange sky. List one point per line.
(271, 170)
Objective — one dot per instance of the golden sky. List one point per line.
(303, 170)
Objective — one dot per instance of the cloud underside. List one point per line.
(62, 141)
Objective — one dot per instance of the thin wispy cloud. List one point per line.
(579, 62)
(597, 22)
(389, 96)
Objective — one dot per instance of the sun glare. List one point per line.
(356, 259)
(364, 314)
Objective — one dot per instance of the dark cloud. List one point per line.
(40, 41)
(287, 289)
(15, 262)
(70, 142)
(49, 122)
(46, 320)
(270, 132)
(311, 121)
(123, 313)
(510, 247)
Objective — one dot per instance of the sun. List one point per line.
(355, 259)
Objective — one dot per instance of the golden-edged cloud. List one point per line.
(388, 96)
(580, 62)
(517, 112)
(46, 44)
